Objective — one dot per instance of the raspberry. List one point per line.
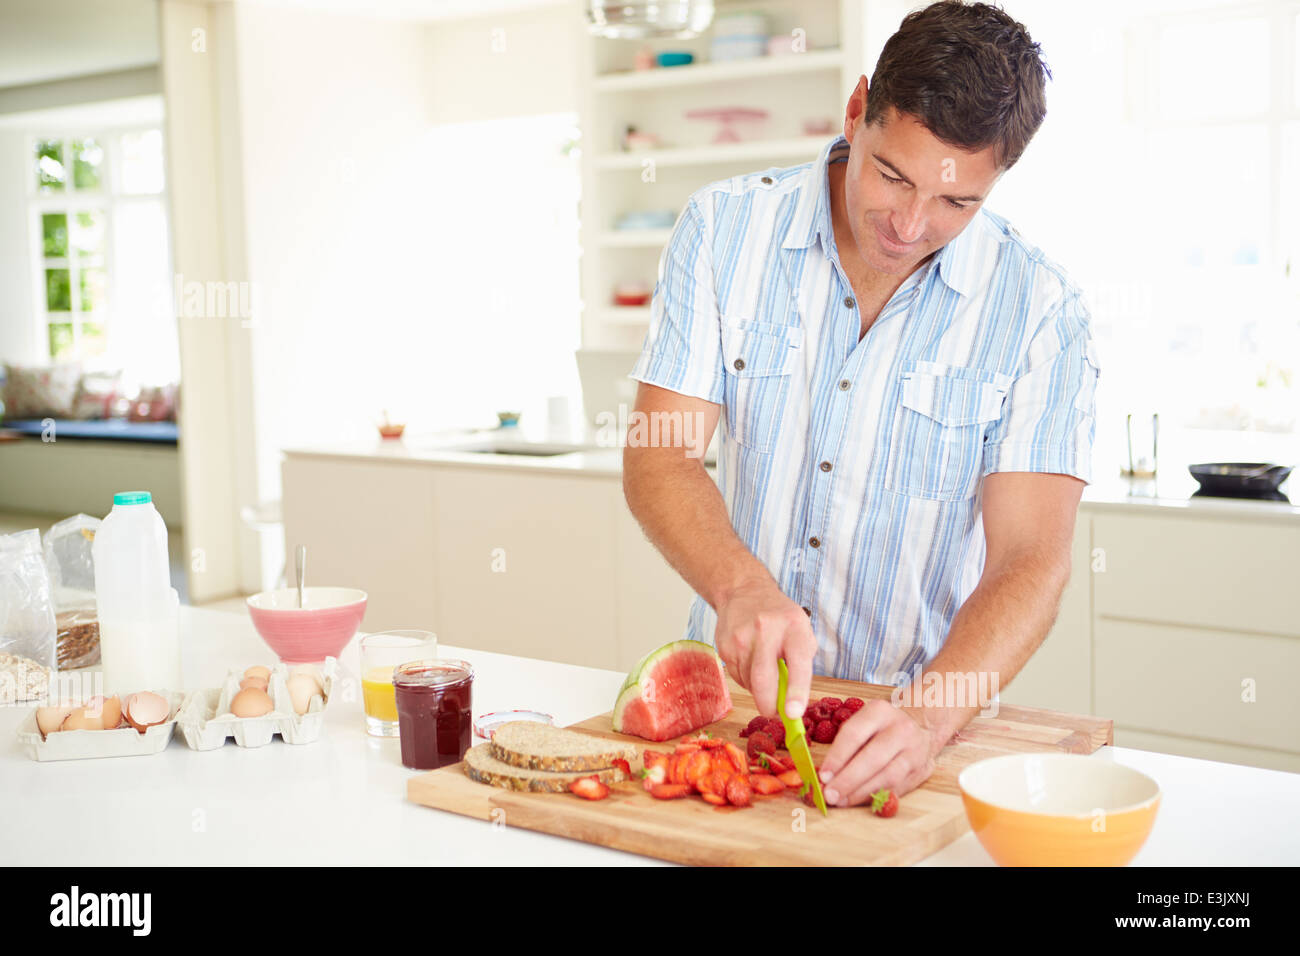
(776, 729)
(758, 723)
(760, 741)
(820, 711)
(855, 704)
(808, 724)
(842, 715)
(834, 703)
(824, 732)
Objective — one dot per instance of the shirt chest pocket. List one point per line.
(939, 427)
(759, 361)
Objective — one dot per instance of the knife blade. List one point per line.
(797, 744)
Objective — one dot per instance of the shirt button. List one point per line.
(848, 302)
(808, 611)
(815, 541)
(766, 180)
(738, 365)
(825, 466)
(844, 385)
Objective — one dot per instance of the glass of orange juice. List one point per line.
(380, 653)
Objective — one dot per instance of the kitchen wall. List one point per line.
(18, 341)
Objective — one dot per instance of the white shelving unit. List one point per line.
(791, 87)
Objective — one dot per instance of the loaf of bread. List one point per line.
(480, 765)
(534, 746)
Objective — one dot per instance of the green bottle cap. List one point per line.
(132, 498)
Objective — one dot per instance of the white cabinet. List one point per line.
(525, 564)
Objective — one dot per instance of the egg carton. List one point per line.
(89, 744)
(205, 719)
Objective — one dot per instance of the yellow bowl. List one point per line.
(1058, 809)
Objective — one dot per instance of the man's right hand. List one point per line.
(757, 625)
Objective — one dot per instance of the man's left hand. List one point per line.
(881, 747)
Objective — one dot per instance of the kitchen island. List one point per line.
(342, 800)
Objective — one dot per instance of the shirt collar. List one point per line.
(959, 261)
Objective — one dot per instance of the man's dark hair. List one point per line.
(969, 73)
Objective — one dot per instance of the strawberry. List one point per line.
(842, 715)
(714, 798)
(778, 765)
(623, 765)
(766, 784)
(654, 775)
(737, 758)
(739, 792)
(716, 782)
(855, 704)
(809, 799)
(777, 730)
(824, 732)
(791, 779)
(685, 748)
(713, 743)
(884, 803)
(760, 741)
(669, 791)
(589, 788)
(698, 766)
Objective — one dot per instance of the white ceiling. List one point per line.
(50, 39)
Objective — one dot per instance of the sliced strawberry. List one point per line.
(623, 765)
(669, 791)
(737, 757)
(766, 784)
(791, 779)
(589, 788)
(713, 743)
(884, 803)
(654, 775)
(714, 798)
(739, 792)
(685, 748)
(698, 766)
(716, 781)
(655, 758)
(760, 770)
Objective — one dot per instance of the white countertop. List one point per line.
(1170, 493)
(342, 799)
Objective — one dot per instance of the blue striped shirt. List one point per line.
(852, 469)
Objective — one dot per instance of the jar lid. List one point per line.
(485, 725)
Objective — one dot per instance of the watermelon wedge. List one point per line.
(673, 690)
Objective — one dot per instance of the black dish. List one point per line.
(1240, 479)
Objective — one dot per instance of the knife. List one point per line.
(797, 744)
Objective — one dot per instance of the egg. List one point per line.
(82, 718)
(50, 719)
(251, 702)
(107, 709)
(307, 670)
(253, 681)
(302, 688)
(257, 670)
(145, 710)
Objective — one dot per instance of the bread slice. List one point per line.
(534, 746)
(480, 765)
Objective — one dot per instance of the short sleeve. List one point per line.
(1049, 419)
(683, 348)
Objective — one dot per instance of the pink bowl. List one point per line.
(306, 635)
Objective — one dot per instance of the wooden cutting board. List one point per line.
(777, 830)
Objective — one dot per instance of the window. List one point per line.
(99, 228)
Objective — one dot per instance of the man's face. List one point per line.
(906, 193)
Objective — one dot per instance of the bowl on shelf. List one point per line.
(321, 628)
(1058, 809)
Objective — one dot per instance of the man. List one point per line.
(906, 387)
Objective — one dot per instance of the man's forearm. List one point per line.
(995, 632)
(683, 514)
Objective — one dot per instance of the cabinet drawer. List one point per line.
(1203, 572)
(1188, 681)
